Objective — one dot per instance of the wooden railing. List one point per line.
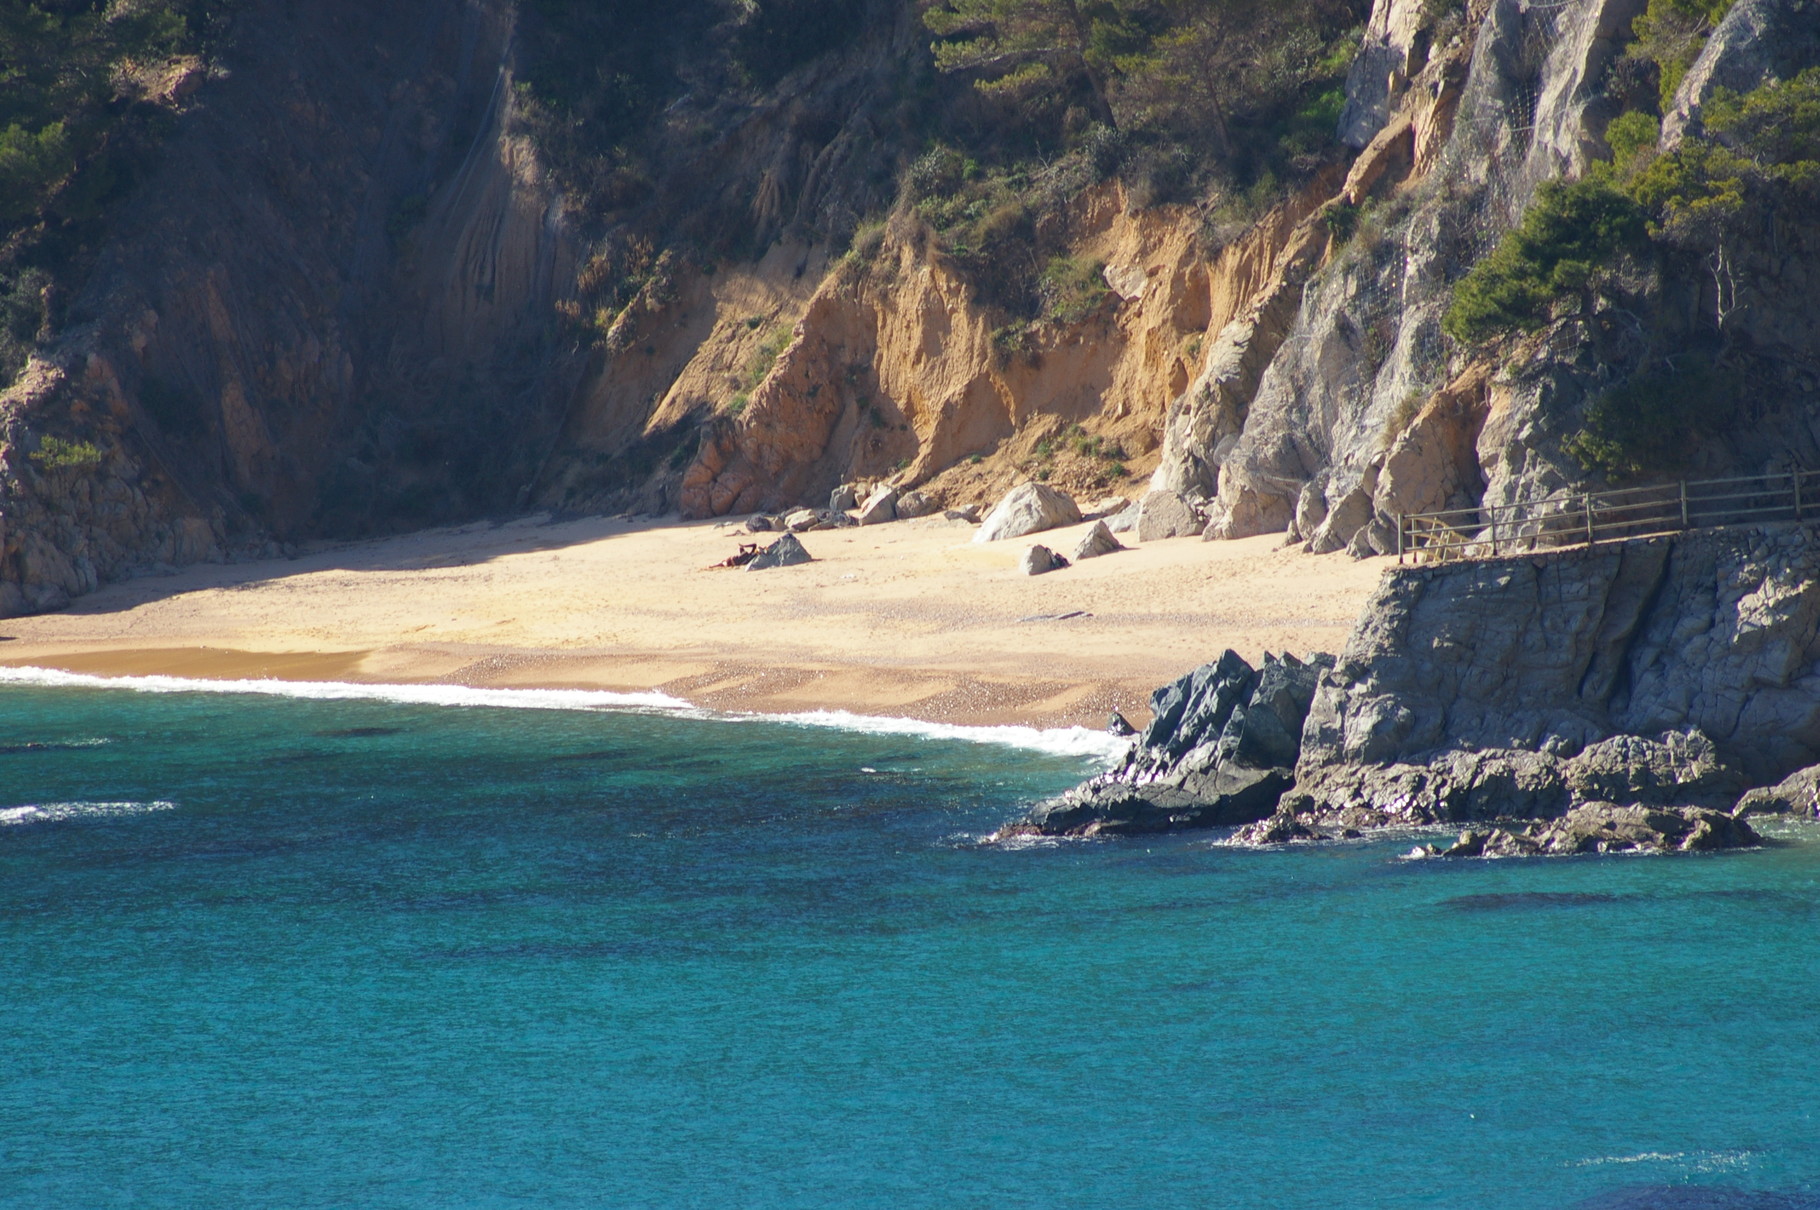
(1588, 518)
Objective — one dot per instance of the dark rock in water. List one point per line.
(1607, 827)
(1118, 724)
(785, 552)
(1039, 560)
(1218, 752)
(1796, 794)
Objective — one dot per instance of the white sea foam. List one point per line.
(1057, 741)
(328, 691)
(52, 812)
(1694, 1161)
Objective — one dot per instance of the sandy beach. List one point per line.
(910, 619)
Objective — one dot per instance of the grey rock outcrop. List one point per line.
(1028, 508)
(1218, 750)
(1796, 794)
(1606, 827)
(787, 551)
(1757, 42)
(1096, 542)
(1671, 673)
(843, 498)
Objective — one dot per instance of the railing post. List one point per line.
(1494, 531)
(1586, 500)
(1399, 537)
(1684, 524)
(1797, 478)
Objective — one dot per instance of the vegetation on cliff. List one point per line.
(1692, 213)
(85, 90)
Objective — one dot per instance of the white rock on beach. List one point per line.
(1027, 509)
(880, 506)
(1165, 514)
(1096, 542)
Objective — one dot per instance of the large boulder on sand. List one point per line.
(1027, 509)
(880, 506)
(1040, 559)
(1096, 542)
(785, 552)
(912, 505)
(1165, 514)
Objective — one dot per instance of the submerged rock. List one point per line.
(1607, 827)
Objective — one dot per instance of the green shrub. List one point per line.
(55, 453)
(1567, 236)
(1649, 424)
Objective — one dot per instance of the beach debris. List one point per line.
(1055, 617)
(1096, 542)
(787, 551)
(970, 514)
(880, 506)
(758, 523)
(911, 505)
(1040, 559)
(748, 551)
(1118, 724)
(844, 497)
(1027, 509)
(1165, 514)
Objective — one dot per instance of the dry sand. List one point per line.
(909, 619)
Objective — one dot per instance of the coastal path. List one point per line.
(1588, 518)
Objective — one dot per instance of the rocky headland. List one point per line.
(1653, 694)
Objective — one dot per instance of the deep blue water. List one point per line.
(381, 955)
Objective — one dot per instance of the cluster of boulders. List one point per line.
(1029, 508)
(1220, 749)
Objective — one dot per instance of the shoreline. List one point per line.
(908, 620)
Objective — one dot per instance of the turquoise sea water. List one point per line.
(269, 952)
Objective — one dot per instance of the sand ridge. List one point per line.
(910, 619)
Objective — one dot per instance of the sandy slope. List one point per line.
(909, 619)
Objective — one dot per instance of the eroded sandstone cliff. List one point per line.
(354, 298)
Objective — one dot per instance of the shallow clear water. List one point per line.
(362, 953)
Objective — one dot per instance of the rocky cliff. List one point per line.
(1664, 676)
(357, 296)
